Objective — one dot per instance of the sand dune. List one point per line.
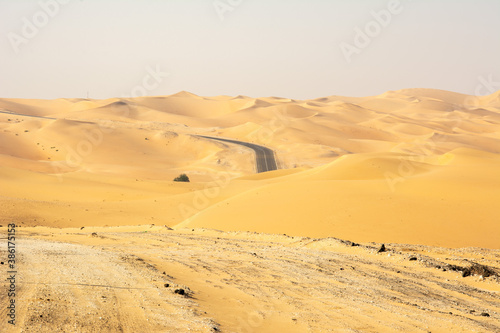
(367, 196)
(105, 232)
(414, 166)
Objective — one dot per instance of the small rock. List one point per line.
(483, 270)
(166, 285)
(485, 314)
(180, 291)
(82, 228)
(413, 258)
(381, 249)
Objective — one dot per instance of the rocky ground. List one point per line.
(153, 279)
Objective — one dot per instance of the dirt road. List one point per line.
(75, 288)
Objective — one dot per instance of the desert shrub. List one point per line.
(181, 178)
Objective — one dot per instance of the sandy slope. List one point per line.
(446, 202)
(73, 288)
(414, 166)
(114, 281)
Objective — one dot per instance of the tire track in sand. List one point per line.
(75, 288)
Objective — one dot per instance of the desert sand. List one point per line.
(416, 169)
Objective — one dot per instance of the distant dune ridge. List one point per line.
(418, 166)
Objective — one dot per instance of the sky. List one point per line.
(300, 49)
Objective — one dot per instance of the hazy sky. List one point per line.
(290, 48)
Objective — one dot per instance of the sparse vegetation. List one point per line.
(181, 178)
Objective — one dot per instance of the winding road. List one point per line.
(264, 157)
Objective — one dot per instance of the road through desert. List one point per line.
(264, 157)
(106, 241)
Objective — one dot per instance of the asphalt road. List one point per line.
(264, 157)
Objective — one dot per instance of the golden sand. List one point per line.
(106, 238)
(413, 166)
